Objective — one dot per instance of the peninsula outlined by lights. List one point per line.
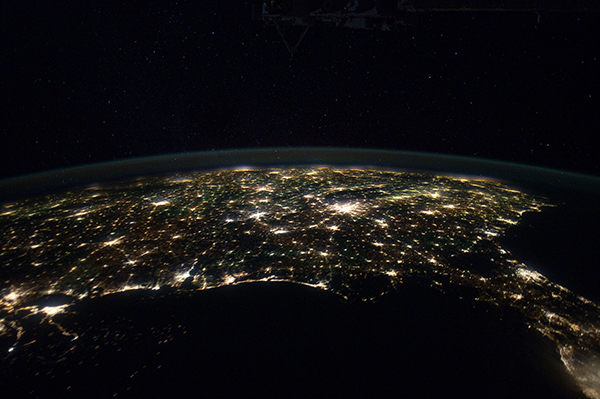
(333, 229)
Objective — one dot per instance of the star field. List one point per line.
(94, 82)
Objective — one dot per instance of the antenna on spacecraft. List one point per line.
(390, 14)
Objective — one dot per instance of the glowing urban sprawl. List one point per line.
(357, 233)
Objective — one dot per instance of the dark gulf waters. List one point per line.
(286, 340)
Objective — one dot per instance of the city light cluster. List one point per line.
(332, 229)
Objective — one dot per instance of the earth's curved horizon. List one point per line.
(463, 227)
(531, 176)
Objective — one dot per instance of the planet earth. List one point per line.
(300, 273)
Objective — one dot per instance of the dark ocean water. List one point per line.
(285, 340)
(561, 242)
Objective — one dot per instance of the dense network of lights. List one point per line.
(358, 233)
